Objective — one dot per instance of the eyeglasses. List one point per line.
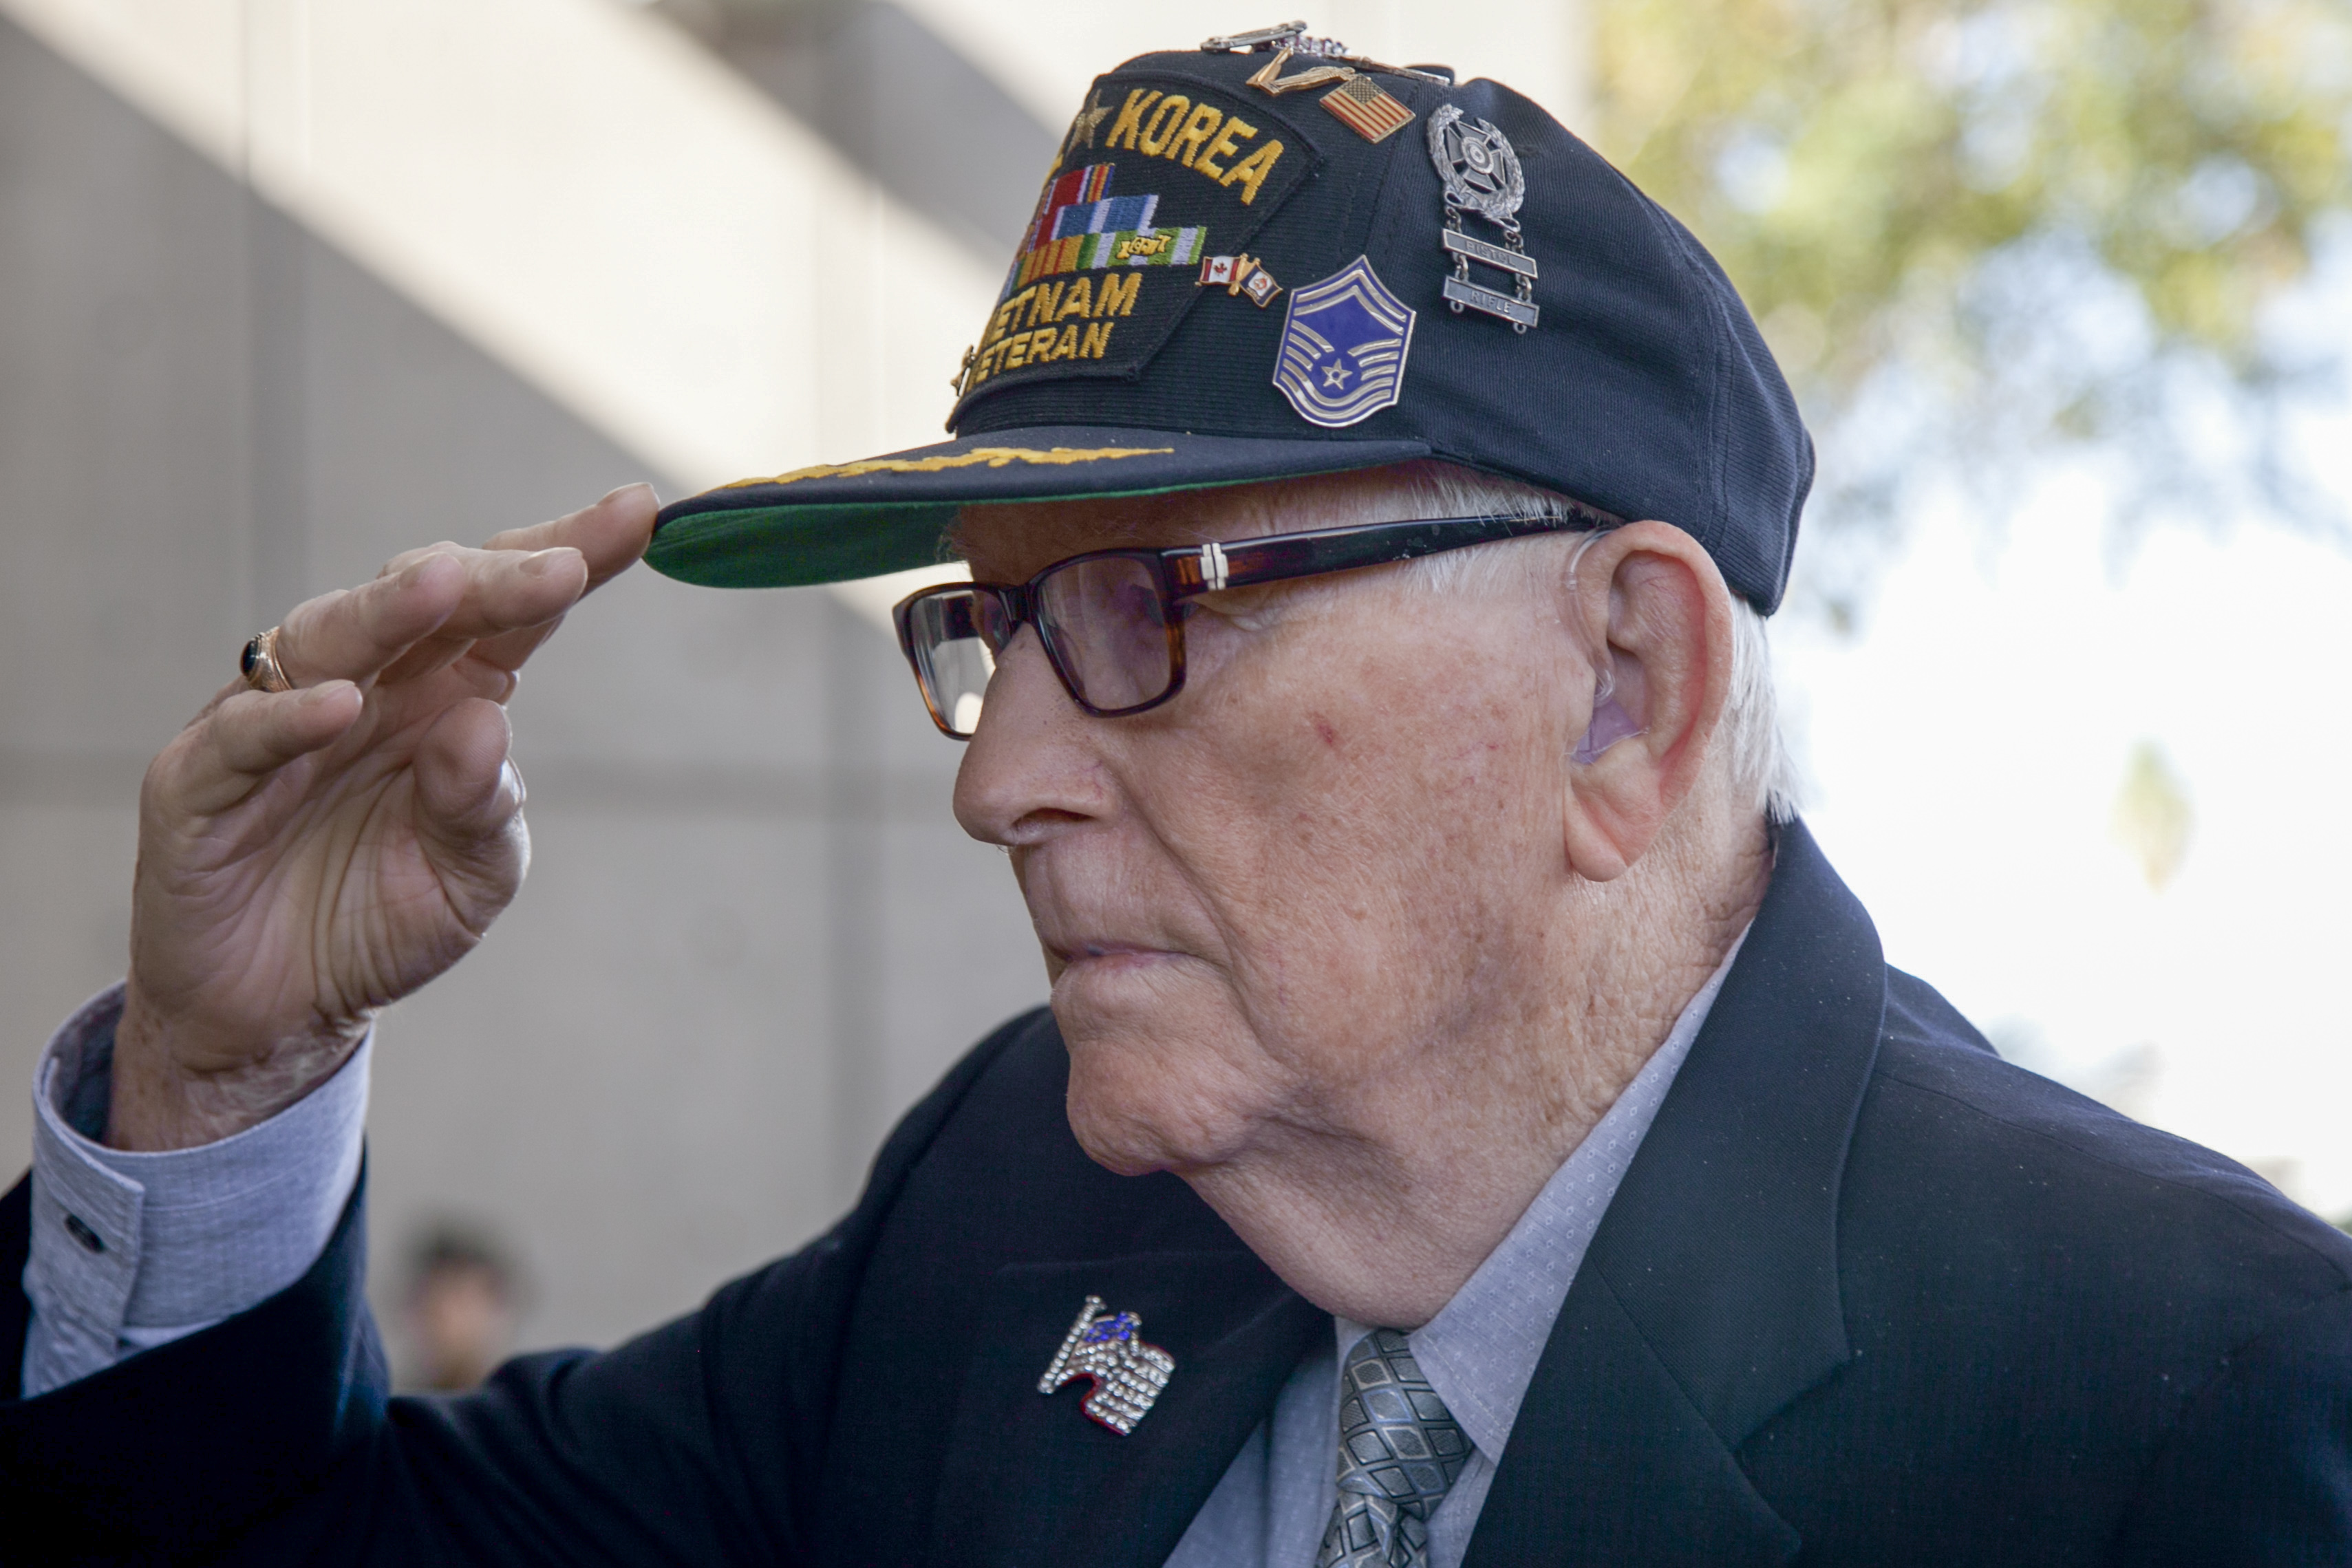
(1112, 621)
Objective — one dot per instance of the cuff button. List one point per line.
(89, 1239)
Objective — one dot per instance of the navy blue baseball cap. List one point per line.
(1265, 258)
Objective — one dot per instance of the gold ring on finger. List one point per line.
(259, 664)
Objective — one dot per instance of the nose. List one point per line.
(1032, 767)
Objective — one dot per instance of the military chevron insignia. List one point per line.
(1127, 1373)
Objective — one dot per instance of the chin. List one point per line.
(1144, 1099)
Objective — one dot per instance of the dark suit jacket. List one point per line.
(1867, 1296)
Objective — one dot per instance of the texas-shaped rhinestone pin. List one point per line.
(1127, 1373)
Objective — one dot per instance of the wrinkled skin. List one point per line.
(1341, 934)
(308, 857)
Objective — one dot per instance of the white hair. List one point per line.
(1762, 768)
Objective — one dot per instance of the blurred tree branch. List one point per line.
(1976, 231)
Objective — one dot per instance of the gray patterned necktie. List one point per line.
(1400, 1449)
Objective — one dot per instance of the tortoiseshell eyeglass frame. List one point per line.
(1186, 571)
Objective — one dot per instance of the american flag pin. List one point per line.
(1366, 109)
(1127, 1373)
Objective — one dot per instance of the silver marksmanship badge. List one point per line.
(1128, 1374)
(1343, 347)
(1481, 175)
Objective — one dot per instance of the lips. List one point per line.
(1093, 910)
(1108, 952)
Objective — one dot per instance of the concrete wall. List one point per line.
(752, 933)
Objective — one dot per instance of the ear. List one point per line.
(1649, 602)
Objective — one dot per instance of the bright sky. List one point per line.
(1966, 751)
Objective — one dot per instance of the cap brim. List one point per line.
(840, 521)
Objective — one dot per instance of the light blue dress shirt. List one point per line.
(1479, 1353)
(133, 1251)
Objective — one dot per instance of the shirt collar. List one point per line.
(1479, 1353)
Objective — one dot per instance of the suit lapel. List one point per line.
(1030, 1479)
(15, 1311)
(1709, 1297)
(1611, 1463)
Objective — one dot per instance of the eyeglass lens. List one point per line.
(955, 637)
(1102, 616)
(1101, 619)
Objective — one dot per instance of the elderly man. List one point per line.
(1474, 1124)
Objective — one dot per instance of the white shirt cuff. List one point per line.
(134, 1249)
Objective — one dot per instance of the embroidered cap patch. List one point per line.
(1343, 347)
(1153, 177)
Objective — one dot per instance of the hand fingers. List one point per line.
(610, 536)
(470, 804)
(461, 765)
(427, 612)
(510, 595)
(353, 633)
(223, 756)
(510, 651)
(428, 606)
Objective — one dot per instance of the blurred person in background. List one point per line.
(1473, 1123)
(460, 1309)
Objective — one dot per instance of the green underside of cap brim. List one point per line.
(801, 545)
(794, 547)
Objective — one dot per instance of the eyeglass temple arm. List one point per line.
(1215, 566)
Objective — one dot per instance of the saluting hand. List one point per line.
(306, 857)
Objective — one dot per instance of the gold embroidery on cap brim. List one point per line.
(979, 456)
